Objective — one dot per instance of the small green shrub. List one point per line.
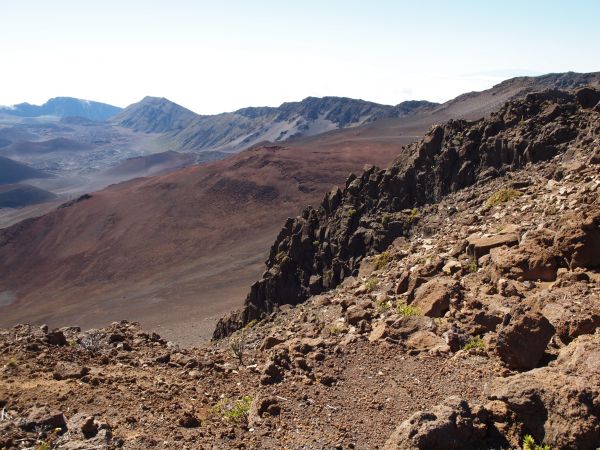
(237, 345)
(338, 328)
(406, 310)
(502, 196)
(351, 212)
(382, 260)
(529, 444)
(475, 342)
(12, 362)
(316, 243)
(280, 256)
(383, 306)
(43, 446)
(386, 220)
(250, 324)
(472, 267)
(371, 284)
(234, 411)
(414, 215)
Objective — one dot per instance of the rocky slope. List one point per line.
(477, 326)
(316, 251)
(234, 131)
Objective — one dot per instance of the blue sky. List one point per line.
(220, 56)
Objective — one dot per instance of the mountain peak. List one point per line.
(64, 107)
(155, 115)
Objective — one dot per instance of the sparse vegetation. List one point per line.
(502, 196)
(382, 260)
(413, 216)
(280, 257)
(250, 324)
(12, 362)
(234, 411)
(406, 310)
(386, 220)
(351, 212)
(476, 343)
(529, 444)
(383, 305)
(371, 284)
(338, 328)
(316, 243)
(237, 344)
(472, 267)
(43, 446)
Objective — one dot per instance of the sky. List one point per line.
(216, 56)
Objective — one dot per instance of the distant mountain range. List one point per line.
(63, 107)
(230, 132)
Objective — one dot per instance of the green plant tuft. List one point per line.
(529, 444)
(280, 256)
(371, 284)
(475, 342)
(383, 305)
(414, 215)
(386, 220)
(472, 267)
(382, 260)
(234, 411)
(406, 310)
(351, 212)
(339, 328)
(502, 196)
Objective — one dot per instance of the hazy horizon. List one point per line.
(216, 58)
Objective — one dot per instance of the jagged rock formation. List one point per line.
(317, 250)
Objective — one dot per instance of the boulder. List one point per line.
(587, 97)
(423, 341)
(578, 239)
(355, 314)
(263, 406)
(557, 404)
(188, 420)
(56, 337)
(84, 424)
(452, 425)
(533, 259)
(432, 299)
(65, 370)
(478, 246)
(44, 418)
(521, 343)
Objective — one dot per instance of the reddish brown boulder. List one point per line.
(433, 298)
(578, 239)
(479, 246)
(522, 342)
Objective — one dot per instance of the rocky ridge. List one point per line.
(317, 250)
(475, 326)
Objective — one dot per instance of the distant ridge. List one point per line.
(155, 115)
(234, 131)
(64, 107)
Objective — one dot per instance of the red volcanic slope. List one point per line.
(176, 250)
